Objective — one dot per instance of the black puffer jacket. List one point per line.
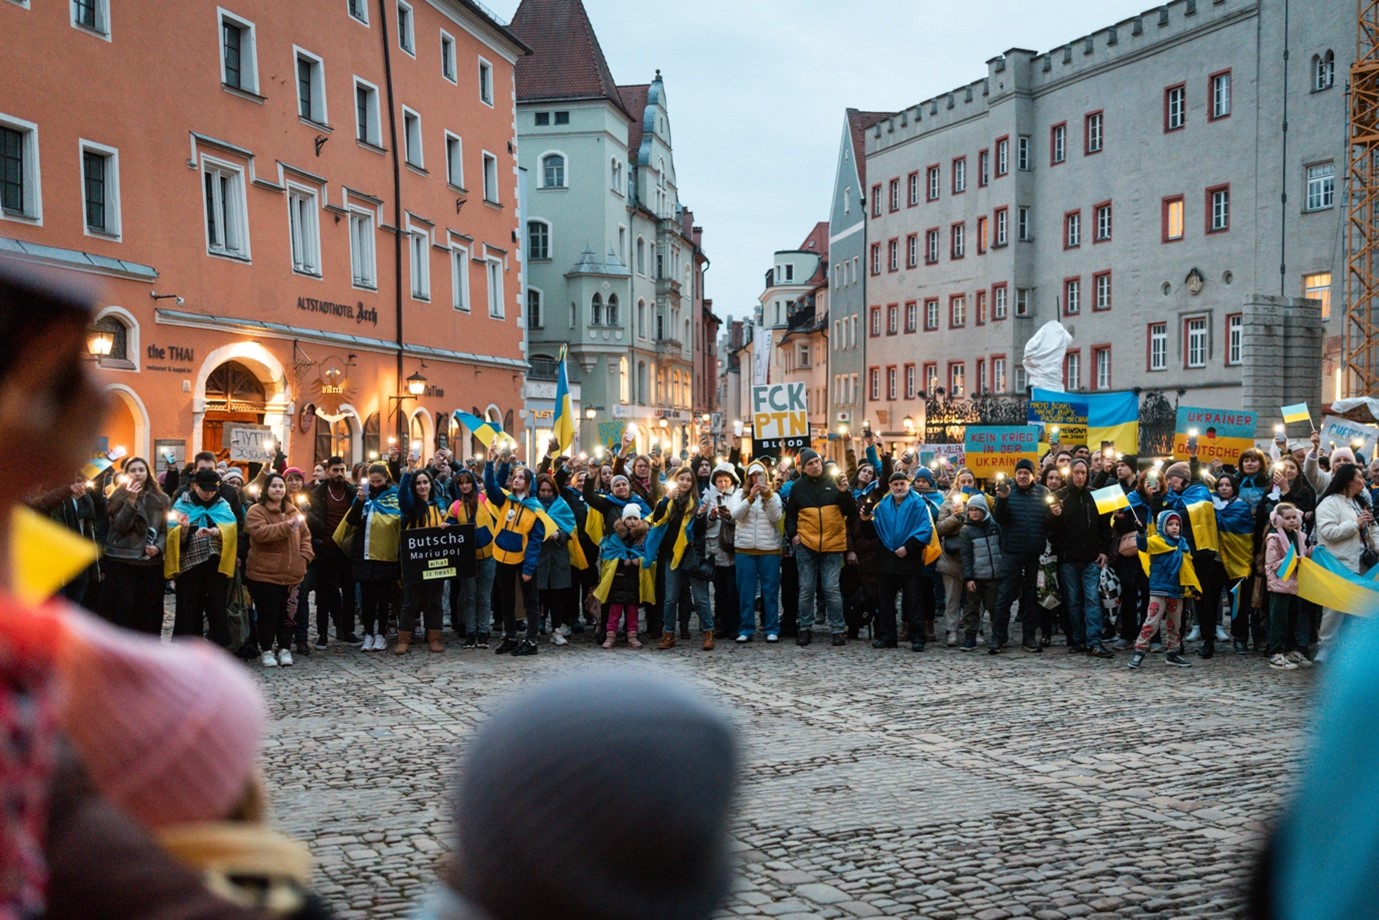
(1023, 516)
(1079, 533)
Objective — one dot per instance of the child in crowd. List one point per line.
(1283, 546)
(1167, 560)
(979, 545)
(621, 589)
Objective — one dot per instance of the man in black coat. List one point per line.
(1081, 537)
(1023, 515)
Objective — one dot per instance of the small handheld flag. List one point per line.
(1298, 412)
(1112, 498)
(44, 555)
(486, 432)
(1289, 564)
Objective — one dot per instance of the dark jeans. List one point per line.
(1134, 596)
(725, 613)
(334, 592)
(375, 595)
(508, 581)
(302, 618)
(790, 598)
(911, 587)
(1283, 623)
(133, 595)
(424, 596)
(1208, 607)
(270, 602)
(201, 596)
(1018, 577)
(559, 604)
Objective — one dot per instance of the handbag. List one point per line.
(1046, 581)
(237, 618)
(696, 564)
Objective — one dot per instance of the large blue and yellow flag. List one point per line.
(563, 425)
(484, 431)
(382, 528)
(1113, 417)
(1324, 580)
(1235, 538)
(217, 515)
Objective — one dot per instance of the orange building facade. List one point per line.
(288, 210)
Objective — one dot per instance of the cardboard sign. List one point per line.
(1221, 433)
(1345, 433)
(437, 552)
(952, 454)
(250, 443)
(780, 419)
(992, 449)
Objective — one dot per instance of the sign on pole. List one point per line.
(780, 419)
(437, 552)
(250, 443)
(992, 449)
(1222, 434)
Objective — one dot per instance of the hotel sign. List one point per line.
(357, 312)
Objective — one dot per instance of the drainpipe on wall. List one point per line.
(397, 210)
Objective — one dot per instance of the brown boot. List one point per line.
(433, 640)
(404, 642)
(708, 640)
(611, 640)
(667, 640)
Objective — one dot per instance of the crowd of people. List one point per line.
(630, 544)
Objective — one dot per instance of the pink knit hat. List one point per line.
(170, 733)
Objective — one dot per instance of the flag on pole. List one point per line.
(486, 432)
(1289, 565)
(1298, 412)
(563, 425)
(1112, 498)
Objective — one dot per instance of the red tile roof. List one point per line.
(817, 241)
(858, 123)
(566, 63)
(634, 102)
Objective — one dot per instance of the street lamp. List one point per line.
(909, 423)
(591, 413)
(416, 384)
(99, 342)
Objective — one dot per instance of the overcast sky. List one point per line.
(757, 90)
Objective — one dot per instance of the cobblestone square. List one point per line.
(941, 784)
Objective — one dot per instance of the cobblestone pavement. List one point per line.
(940, 785)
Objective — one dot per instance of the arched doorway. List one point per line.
(234, 393)
(335, 438)
(126, 423)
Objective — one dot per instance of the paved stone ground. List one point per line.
(941, 785)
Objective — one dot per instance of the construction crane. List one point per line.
(1361, 335)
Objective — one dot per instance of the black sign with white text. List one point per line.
(438, 552)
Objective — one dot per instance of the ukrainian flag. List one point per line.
(1289, 564)
(1110, 499)
(1111, 417)
(563, 426)
(1235, 537)
(1323, 580)
(484, 431)
(1298, 412)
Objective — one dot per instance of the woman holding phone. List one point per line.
(134, 544)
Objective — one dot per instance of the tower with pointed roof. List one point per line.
(614, 264)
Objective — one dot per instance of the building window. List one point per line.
(493, 270)
(304, 230)
(933, 179)
(874, 382)
(1323, 71)
(1318, 287)
(913, 190)
(125, 343)
(1103, 222)
(983, 168)
(1002, 216)
(1092, 133)
(615, 173)
(980, 307)
(912, 250)
(930, 379)
(238, 58)
(895, 194)
(612, 317)
(358, 10)
(998, 374)
(538, 240)
(1173, 219)
(366, 120)
(957, 376)
(1175, 107)
(490, 178)
(876, 200)
(1101, 291)
(93, 15)
(893, 255)
(957, 311)
(1072, 230)
(485, 82)
(311, 87)
(535, 315)
(411, 137)
(1023, 230)
(1235, 340)
(1072, 371)
(1003, 153)
(1023, 159)
(406, 37)
(454, 160)
(910, 380)
(958, 244)
(876, 258)
(421, 265)
(874, 321)
(1195, 336)
(447, 56)
(892, 319)
(596, 310)
(931, 246)
(1058, 143)
(1158, 346)
(1219, 209)
(553, 171)
(1072, 296)
(226, 218)
(363, 258)
(911, 316)
(562, 118)
(1000, 297)
(1022, 301)
(931, 314)
(959, 175)
(1101, 367)
(1321, 186)
(1219, 86)
(100, 183)
(19, 188)
(641, 256)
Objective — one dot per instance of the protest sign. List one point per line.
(1221, 433)
(992, 449)
(780, 419)
(437, 552)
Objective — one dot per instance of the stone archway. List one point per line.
(266, 369)
(127, 424)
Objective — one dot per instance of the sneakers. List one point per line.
(564, 632)
(994, 650)
(1120, 644)
(321, 642)
(772, 638)
(1032, 649)
(1100, 651)
(1177, 660)
(1241, 647)
(380, 642)
(528, 647)
(470, 641)
(285, 658)
(743, 638)
(269, 660)
(304, 649)
(558, 638)
(951, 640)
(969, 644)
(483, 640)
(805, 637)
(1280, 662)
(1299, 659)
(840, 639)
(1222, 635)
(1194, 635)
(881, 643)
(506, 647)
(1136, 660)
(366, 644)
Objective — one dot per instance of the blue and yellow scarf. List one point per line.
(216, 514)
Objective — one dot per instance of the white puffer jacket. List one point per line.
(756, 520)
(1338, 529)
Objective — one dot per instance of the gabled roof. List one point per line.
(858, 123)
(634, 100)
(817, 240)
(566, 63)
